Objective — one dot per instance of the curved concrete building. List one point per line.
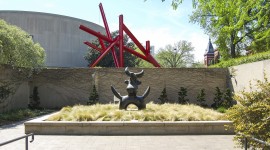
(59, 35)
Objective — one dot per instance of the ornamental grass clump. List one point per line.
(153, 112)
(252, 116)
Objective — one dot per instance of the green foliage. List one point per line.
(242, 60)
(228, 100)
(107, 61)
(179, 55)
(181, 96)
(217, 99)
(223, 100)
(222, 109)
(242, 24)
(34, 100)
(176, 3)
(143, 64)
(235, 25)
(18, 49)
(5, 91)
(93, 99)
(252, 116)
(201, 98)
(21, 114)
(163, 97)
(198, 65)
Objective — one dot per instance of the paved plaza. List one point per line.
(94, 142)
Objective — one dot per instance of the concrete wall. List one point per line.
(62, 87)
(191, 78)
(17, 80)
(60, 36)
(245, 74)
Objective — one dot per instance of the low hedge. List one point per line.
(242, 60)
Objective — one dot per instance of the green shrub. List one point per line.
(181, 96)
(201, 98)
(252, 116)
(34, 100)
(21, 114)
(5, 91)
(217, 99)
(242, 60)
(222, 109)
(93, 99)
(228, 100)
(223, 99)
(163, 97)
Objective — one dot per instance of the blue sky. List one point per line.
(151, 20)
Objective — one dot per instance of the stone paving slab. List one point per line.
(173, 142)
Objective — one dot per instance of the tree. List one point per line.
(107, 61)
(18, 49)
(201, 98)
(198, 64)
(34, 100)
(176, 56)
(234, 24)
(181, 96)
(228, 99)
(93, 99)
(143, 64)
(217, 99)
(163, 97)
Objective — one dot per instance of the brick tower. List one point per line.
(209, 54)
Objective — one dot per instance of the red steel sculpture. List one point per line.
(118, 41)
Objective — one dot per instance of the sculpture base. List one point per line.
(138, 101)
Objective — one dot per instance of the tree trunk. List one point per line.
(232, 46)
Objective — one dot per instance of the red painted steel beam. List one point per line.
(133, 38)
(90, 31)
(102, 44)
(118, 41)
(93, 46)
(114, 55)
(149, 59)
(115, 59)
(105, 21)
(121, 41)
(105, 52)
(147, 47)
(117, 44)
(153, 61)
(135, 53)
(97, 34)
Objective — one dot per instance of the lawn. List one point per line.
(153, 112)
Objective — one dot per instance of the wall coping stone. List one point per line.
(39, 126)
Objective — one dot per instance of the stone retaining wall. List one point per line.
(17, 82)
(39, 126)
(70, 86)
(246, 74)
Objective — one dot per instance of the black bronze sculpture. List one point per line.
(132, 86)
